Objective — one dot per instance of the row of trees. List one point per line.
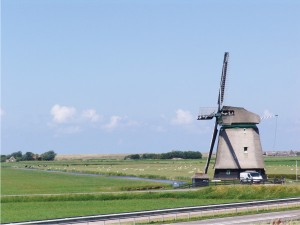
(29, 156)
(168, 155)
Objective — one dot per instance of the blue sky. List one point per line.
(87, 76)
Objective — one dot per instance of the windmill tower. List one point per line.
(239, 147)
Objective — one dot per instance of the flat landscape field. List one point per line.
(27, 193)
(18, 181)
(161, 169)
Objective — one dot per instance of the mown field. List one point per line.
(162, 169)
(28, 207)
(17, 181)
(77, 195)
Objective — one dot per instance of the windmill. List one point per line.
(239, 147)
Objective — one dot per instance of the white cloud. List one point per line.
(62, 114)
(66, 120)
(91, 115)
(114, 122)
(182, 117)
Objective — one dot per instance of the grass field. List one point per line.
(89, 156)
(17, 179)
(281, 165)
(164, 169)
(21, 208)
(13, 212)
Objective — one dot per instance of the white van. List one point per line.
(250, 176)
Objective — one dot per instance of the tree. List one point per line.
(150, 156)
(3, 158)
(28, 156)
(134, 156)
(192, 155)
(48, 156)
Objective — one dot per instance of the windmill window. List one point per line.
(227, 172)
(245, 149)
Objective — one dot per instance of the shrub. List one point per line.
(134, 156)
(48, 156)
(3, 158)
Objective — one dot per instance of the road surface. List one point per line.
(250, 219)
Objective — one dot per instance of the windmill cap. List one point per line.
(241, 115)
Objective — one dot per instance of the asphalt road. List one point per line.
(266, 218)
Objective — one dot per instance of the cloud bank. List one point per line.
(113, 123)
(91, 115)
(70, 120)
(183, 117)
(62, 114)
(67, 120)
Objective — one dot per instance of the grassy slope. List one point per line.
(45, 207)
(12, 212)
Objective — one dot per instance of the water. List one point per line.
(175, 183)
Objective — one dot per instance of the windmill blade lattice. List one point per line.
(223, 81)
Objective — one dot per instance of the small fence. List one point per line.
(249, 182)
(231, 182)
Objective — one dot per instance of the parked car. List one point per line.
(250, 177)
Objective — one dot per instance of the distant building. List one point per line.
(281, 153)
(200, 179)
(11, 159)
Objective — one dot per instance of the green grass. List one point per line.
(13, 212)
(16, 181)
(21, 208)
(281, 160)
(163, 169)
(281, 165)
(213, 192)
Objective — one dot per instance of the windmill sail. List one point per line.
(223, 81)
(220, 102)
(212, 144)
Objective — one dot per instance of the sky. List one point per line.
(109, 76)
